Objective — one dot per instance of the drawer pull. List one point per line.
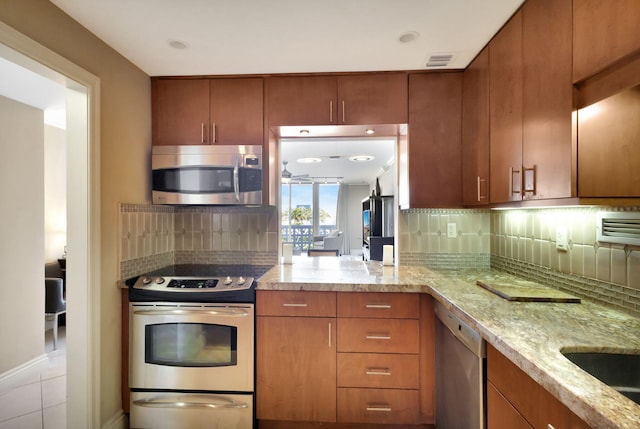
(378, 371)
(386, 306)
(294, 305)
(550, 426)
(378, 337)
(379, 408)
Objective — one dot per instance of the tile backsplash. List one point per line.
(153, 237)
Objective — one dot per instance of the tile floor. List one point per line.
(41, 402)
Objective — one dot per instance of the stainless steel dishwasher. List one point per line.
(460, 373)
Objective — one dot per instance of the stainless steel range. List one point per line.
(192, 351)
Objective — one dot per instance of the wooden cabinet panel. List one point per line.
(180, 109)
(372, 99)
(505, 111)
(501, 414)
(434, 148)
(475, 131)
(376, 370)
(377, 406)
(302, 100)
(378, 335)
(609, 153)
(604, 31)
(295, 303)
(236, 115)
(207, 111)
(379, 305)
(296, 369)
(547, 98)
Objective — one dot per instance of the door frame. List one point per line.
(83, 219)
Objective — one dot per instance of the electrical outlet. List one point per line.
(562, 239)
(452, 230)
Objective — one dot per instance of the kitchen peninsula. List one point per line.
(529, 334)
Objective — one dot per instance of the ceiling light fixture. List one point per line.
(177, 44)
(370, 131)
(304, 132)
(308, 160)
(361, 158)
(409, 36)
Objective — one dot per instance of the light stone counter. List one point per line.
(529, 334)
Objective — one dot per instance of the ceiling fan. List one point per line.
(287, 176)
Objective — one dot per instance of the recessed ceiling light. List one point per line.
(304, 132)
(370, 131)
(308, 160)
(361, 158)
(409, 36)
(177, 44)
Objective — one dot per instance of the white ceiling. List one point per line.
(289, 36)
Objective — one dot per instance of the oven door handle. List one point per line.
(178, 403)
(181, 312)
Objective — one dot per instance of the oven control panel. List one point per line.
(193, 284)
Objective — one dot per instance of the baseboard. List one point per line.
(22, 373)
(118, 421)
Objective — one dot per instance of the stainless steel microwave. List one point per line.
(207, 175)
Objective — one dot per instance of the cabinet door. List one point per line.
(501, 414)
(236, 111)
(553, 414)
(475, 132)
(434, 149)
(547, 99)
(603, 33)
(180, 109)
(302, 100)
(372, 99)
(505, 112)
(296, 369)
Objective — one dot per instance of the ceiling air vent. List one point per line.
(441, 60)
(619, 227)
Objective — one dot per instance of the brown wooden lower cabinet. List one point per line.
(515, 400)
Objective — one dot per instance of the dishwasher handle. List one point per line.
(463, 332)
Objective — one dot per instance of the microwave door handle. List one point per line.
(236, 185)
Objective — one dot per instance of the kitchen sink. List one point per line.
(617, 370)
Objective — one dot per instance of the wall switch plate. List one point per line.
(562, 239)
(452, 230)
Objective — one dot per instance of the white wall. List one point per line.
(55, 193)
(22, 232)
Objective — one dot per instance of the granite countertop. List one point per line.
(531, 334)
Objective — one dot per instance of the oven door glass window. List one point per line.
(191, 344)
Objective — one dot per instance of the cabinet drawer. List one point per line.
(383, 305)
(295, 303)
(378, 335)
(389, 371)
(378, 406)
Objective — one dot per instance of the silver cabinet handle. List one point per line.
(294, 305)
(331, 111)
(480, 196)
(329, 334)
(378, 337)
(550, 426)
(532, 187)
(379, 306)
(157, 403)
(236, 178)
(378, 371)
(383, 409)
(343, 113)
(213, 132)
(518, 191)
(202, 134)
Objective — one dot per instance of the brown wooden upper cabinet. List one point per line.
(432, 174)
(207, 111)
(603, 33)
(475, 131)
(337, 100)
(531, 104)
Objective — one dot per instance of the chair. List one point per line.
(54, 303)
(331, 241)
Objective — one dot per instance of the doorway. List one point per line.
(83, 220)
